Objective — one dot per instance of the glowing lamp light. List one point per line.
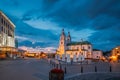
(116, 48)
(114, 58)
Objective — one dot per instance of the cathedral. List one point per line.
(67, 47)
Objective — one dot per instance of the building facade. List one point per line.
(116, 53)
(66, 46)
(6, 31)
(97, 54)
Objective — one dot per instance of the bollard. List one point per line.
(81, 69)
(95, 68)
(57, 66)
(110, 69)
(60, 66)
(65, 70)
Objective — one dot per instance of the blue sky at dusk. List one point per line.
(39, 22)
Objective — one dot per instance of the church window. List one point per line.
(81, 53)
(76, 53)
(117, 51)
(83, 47)
(88, 47)
(77, 48)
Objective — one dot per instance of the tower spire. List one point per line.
(62, 43)
(68, 38)
(68, 34)
(63, 32)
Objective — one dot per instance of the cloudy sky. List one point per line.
(39, 22)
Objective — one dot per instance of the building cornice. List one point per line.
(7, 18)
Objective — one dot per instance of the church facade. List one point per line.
(73, 49)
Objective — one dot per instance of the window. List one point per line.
(117, 51)
(2, 28)
(88, 47)
(81, 53)
(2, 20)
(77, 48)
(76, 53)
(83, 47)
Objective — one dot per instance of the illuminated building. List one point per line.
(66, 46)
(116, 53)
(7, 40)
(6, 31)
(77, 49)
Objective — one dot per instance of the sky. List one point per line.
(39, 22)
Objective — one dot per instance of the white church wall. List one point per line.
(97, 54)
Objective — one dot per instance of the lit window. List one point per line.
(83, 47)
(81, 53)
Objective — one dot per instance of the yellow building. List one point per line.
(116, 53)
(66, 46)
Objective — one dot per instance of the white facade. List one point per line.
(6, 31)
(80, 49)
(11, 41)
(66, 46)
(97, 54)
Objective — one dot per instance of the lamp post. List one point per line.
(81, 56)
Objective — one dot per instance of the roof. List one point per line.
(7, 18)
(78, 43)
(96, 50)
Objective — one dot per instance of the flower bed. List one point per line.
(56, 74)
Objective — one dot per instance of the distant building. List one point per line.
(97, 54)
(116, 52)
(66, 46)
(6, 31)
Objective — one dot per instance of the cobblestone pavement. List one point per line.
(38, 69)
(30, 69)
(95, 76)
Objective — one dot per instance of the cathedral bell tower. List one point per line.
(68, 38)
(62, 43)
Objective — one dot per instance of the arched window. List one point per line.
(88, 47)
(117, 51)
(83, 47)
(76, 53)
(77, 48)
(81, 53)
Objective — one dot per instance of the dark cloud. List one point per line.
(106, 39)
(41, 44)
(33, 34)
(73, 14)
(101, 16)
